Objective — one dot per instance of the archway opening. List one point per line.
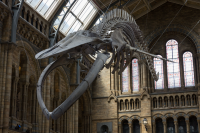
(136, 126)
(125, 126)
(104, 129)
(170, 125)
(182, 125)
(159, 126)
(193, 125)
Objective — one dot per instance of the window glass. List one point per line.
(79, 6)
(78, 16)
(75, 27)
(33, 3)
(125, 79)
(158, 65)
(173, 69)
(67, 23)
(42, 6)
(135, 75)
(85, 13)
(188, 69)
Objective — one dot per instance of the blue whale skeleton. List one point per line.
(116, 38)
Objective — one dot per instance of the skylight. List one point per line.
(77, 18)
(44, 7)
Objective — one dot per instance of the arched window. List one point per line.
(182, 125)
(173, 69)
(170, 125)
(125, 126)
(188, 69)
(136, 126)
(193, 124)
(159, 126)
(104, 129)
(135, 75)
(125, 79)
(158, 65)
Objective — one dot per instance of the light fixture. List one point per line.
(145, 122)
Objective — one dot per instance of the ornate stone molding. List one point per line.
(31, 34)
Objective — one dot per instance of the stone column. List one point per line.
(120, 128)
(181, 72)
(165, 127)
(14, 99)
(169, 104)
(24, 103)
(112, 80)
(8, 79)
(186, 104)
(174, 101)
(165, 75)
(135, 104)
(188, 125)
(154, 127)
(176, 126)
(144, 75)
(157, 103)
(3, 63)
(198, 125)
(140, 127)
(34, 107)
(130, 127)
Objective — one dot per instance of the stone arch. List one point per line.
(22, 45)
(193, 36)
(135, 117)
(144, 94)
(171, 115)
(193, 114)
(112, 97)
(183, 115)
(137, 56)
(159, 116)
(123, 118)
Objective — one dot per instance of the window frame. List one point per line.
(130, 90)
(181, 51)
(159, 73)
(173, 66)
(184, 68)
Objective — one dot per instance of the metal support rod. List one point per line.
(16, 11)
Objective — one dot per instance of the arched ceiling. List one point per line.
(142, 7)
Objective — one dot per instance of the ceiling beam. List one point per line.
(159, 4)
(187, 4)
(132, 3)
(147, 3)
